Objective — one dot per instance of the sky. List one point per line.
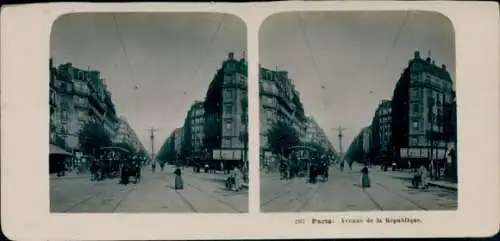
(344, 63)
(172, 58)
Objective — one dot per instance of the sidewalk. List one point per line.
(219, 175)
(434, 183)
(444, 184)
(69, 175)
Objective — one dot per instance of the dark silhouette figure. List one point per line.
(178, 183)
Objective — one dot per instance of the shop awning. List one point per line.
(55, 150)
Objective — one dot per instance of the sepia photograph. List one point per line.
(148, 113)
(357, 112)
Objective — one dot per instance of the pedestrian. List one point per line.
(153, 166)
(423, 176)
(237, 175)
(178, 183)
(365, 178)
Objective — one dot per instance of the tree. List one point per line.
(92, 138)
(281, 136)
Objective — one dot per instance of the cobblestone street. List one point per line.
(342, 192)
(202, 193)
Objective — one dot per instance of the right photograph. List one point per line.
(357, 112)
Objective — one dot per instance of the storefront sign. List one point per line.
(216, 155)
(422, 153)
(219, 154)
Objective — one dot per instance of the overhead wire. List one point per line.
(128, 63)
(398, 35)
(394, 43)
(206, 49)
(311, 54)
(308, 45)
(210, 43)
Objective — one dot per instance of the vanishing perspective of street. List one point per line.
(146, 116)
(343, 192)
(363, 81)
(203, 193)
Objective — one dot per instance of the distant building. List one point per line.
(366, 135)
(225, 108)
(381, 132)
(279, 101)
(194, 131)
(126, 135)
(421, 111)
(315, 134)
(178, 137)
(167, 152)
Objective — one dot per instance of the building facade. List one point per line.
(225, 110)
(316, 135)
(194, 132)
(381, 133)
(167, 150)
(356, 151)
(279, 101)
(421, 111)
(126, 135)
(366, 135)
(78, 97)
(178, 139)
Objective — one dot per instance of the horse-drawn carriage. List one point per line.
(322, 170)
(122, 162)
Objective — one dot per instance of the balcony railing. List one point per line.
(96, 102)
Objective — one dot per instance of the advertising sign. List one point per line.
(422, 153)
(216, 155)
(403, 153)
(226, 154)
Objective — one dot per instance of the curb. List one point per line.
(442, 186)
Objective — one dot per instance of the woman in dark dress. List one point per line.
(178, 183)
(365, 179)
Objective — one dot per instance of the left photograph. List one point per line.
(148, 113)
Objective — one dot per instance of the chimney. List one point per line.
(230, 56)
(416, 55)
(443, 66)
(433, 62)
(428, 60)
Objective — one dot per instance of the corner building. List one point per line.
(225, 115)
(421, 113)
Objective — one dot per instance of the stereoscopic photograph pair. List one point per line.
(149, 112)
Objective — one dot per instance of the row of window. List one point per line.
(430, 79)
(434, 97)
(197, 121)
(269, 86)
(269, 75)
(269, 100)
